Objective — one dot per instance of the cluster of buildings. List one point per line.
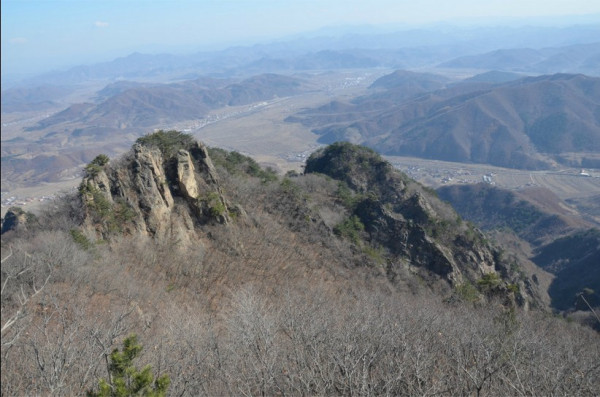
(15, 201)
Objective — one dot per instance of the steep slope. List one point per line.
(138, 198)
(575, 260)
(167, 188)
(408, 225)
(278, 290)
(567, 247)
(526, 123)
(491, 207)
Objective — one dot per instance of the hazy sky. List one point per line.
(39, 35)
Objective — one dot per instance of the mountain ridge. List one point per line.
(139, 106)
(525, 123)
(171, 193)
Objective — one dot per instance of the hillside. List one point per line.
(39, 98)
(238, 280)
(575, 260)
(561, 244)
(526, 123)
(520, 211)
(138, 106)
(52, 148)
(387, 219)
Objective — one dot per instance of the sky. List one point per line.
(43, 35)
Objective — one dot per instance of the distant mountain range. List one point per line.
(545, 50)
(23, 99)
(525, 123)
(139, 106)
(122, 112)
(582, 58)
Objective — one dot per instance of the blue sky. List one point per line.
(41, 35)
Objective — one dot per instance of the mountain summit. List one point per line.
(363, 210)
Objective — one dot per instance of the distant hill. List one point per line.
(33, 99)
(385, 92)
(404, 48)
(134, 105)
(494, 77)
(575, 260)
(581, 58)
(525, 123)
(403, 79)
(522, 211)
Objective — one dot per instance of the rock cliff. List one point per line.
(155, 193)
(411, 226)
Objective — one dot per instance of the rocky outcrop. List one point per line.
(149, 193)
(169, 190)
(415, 229)
(16, 219)
(409, 228)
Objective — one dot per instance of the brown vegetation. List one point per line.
(271, 302)
(524, 124)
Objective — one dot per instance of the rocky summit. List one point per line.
(154, 193)
(168, 188)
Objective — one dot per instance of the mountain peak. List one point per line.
(139, 194)
(410, 225)
(360, 167)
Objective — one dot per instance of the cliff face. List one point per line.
(411, 225)
(155, 195)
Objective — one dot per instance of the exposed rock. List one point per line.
(140, 194)
(410, 223)
(15, 219)
(402, 224)
(185, 174)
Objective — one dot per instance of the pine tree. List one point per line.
(125, 379)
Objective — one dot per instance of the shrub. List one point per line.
(111, 216)
(81, 239)
(96, 165)
(235, 164)
(489, 282)
(347, 197)
(212, 201)
(350, 228)
(125, 379)
(168, 142)
(467, 292)
(289, 187)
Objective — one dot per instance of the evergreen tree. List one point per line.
(125, 379)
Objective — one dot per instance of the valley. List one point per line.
(259, 130)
